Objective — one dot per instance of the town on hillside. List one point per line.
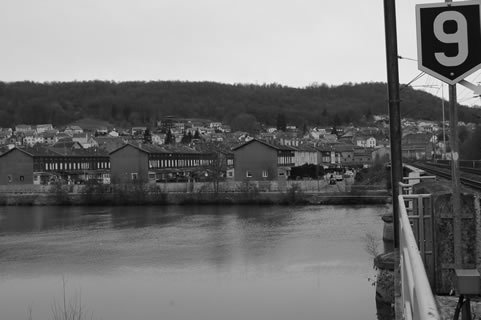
(178, 150)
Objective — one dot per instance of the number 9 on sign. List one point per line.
(449, 39)
(459, 37)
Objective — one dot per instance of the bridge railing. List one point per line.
(407, 188)
(417, 298)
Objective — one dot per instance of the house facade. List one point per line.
(306, 155)
(417, 146)
(382, 154)
(129, 163)
(70, 166)
(257, 160)
(16, 167)
(365, 141)
(151, 163)
(362, 157)
(346, 153)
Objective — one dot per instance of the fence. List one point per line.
(417, 298)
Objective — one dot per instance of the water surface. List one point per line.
(234, 262)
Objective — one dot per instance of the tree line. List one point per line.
(243, 106)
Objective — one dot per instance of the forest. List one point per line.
(126, 104)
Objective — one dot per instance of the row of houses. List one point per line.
(255, 160)
(125, 164)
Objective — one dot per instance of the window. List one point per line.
(230, 174)
(264, 174)
(134, 175)
(248, 174)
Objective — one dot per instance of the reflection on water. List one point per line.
(233, 262)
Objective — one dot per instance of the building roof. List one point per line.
(19, 149)
(156, 149)
(276, 147)
(73, 128)
(343, 147)
(109, 143)
(23, 126)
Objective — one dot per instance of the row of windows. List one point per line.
(76, 166)
(284, 160)
(265, 174)
(178, 163)
(10, 178)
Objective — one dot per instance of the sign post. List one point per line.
(449, 49)
(449, 39)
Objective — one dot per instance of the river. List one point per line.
(180, 262)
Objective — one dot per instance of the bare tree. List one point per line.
(371, 244)
(217, 170)
(69, 308)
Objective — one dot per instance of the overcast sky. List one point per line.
(294, 43)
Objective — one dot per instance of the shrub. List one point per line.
(60, 192)
(294, 195)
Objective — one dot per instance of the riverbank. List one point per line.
(173, 198)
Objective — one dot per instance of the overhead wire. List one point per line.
(414, 79)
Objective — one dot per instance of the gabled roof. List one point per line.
(155, 149)
(64, 143)
(41, 150)
(21, 150)
(275, 147)
(128, 145)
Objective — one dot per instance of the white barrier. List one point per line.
(417, 297)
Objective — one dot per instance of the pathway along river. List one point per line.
(212, 263)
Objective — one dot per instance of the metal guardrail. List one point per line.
(407, 188)
(417, 297)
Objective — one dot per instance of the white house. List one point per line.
(71, 130)
(113, 133)
(215, 125)
(23, 128)
(365, 142)
(158, 138)
(30, 138)
(43, 128)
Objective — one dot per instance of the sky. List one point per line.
(292, 43)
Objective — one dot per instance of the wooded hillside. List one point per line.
(136, 103)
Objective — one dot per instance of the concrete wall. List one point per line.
(186, 187)
(262, 186)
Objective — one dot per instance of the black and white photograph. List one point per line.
(232, 160)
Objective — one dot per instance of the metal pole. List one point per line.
(394, 109)
(455, 182)
(456, 198)
(444, 130)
